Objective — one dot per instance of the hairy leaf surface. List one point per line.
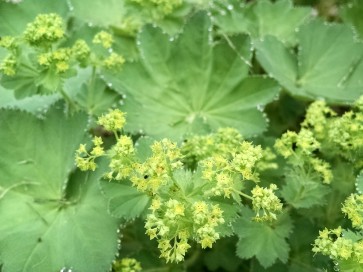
(266, 242)
(261, 18)
(50, 219)
(329, 62)
(192, 80)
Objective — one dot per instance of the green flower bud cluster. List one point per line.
(353, 208)
(227, 170)
(170, 223)
(332, 244)
(113, 121)
(44, 30)
(86, 161)
(59, 59)
(157, 170)
(161, 8)
(126, 265)
(338, 135)
(299, 149)
(265, 203)
(8, 65)
(81, 52)
(8, 42)
(197, 148)
(104, 38)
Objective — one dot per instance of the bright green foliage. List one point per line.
(126, 265)
(262, 18)
(43, 207)
(267, 242)
(198, 84)
(184, 205)
(351, 13)
(328, 64)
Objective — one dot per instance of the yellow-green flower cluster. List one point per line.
(316, 118)
(332, 244)
(265, 203)
(81, 51)
(353, 208)
(299, 149)
(44, 30)
(162, 7)
(174, 222)
(157, 170)
(86, 161)
(198, 148)
(59, 59)
(114, 120)
(113, 62)
(126, 265)
(8, 65)
(122, 159)
(104, 38)
(8, 42)
(227, 170)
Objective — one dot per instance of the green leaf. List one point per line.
(191, 79)
(266, 242)
(15, 17)
(329, 62)
(352, 14)
(302, 191)
(94, 97)
(50, 219)
(261, 18)
(124, 201)
(35, 104)
(359, 182)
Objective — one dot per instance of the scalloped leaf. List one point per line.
(50, 219)
(266, 242)
(192, 79)
(260, 18)
(300, 191)
(35, 104)
(329, 62)
(124, 201)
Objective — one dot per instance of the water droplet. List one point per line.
(109, 84)
(230, 7)
(171, 39)
(90, 24)
(138, 42)
(222, 12)
(124, 96)
(110, 50)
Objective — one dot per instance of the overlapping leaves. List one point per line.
(50, 218)
(192, 82)
(329, 62)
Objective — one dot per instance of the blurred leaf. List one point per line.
(329, 63)
(352, 14)
(260, 18)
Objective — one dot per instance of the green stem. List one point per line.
(91, 90)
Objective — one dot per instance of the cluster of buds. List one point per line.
(114, 120)
(126, 265)
(299, 149)
(177, 221)
(44, 30)
(160, 8)
(353, 208)
(265, 203)
(331, 243)
(86, 161)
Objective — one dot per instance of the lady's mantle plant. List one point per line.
(242, 150)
